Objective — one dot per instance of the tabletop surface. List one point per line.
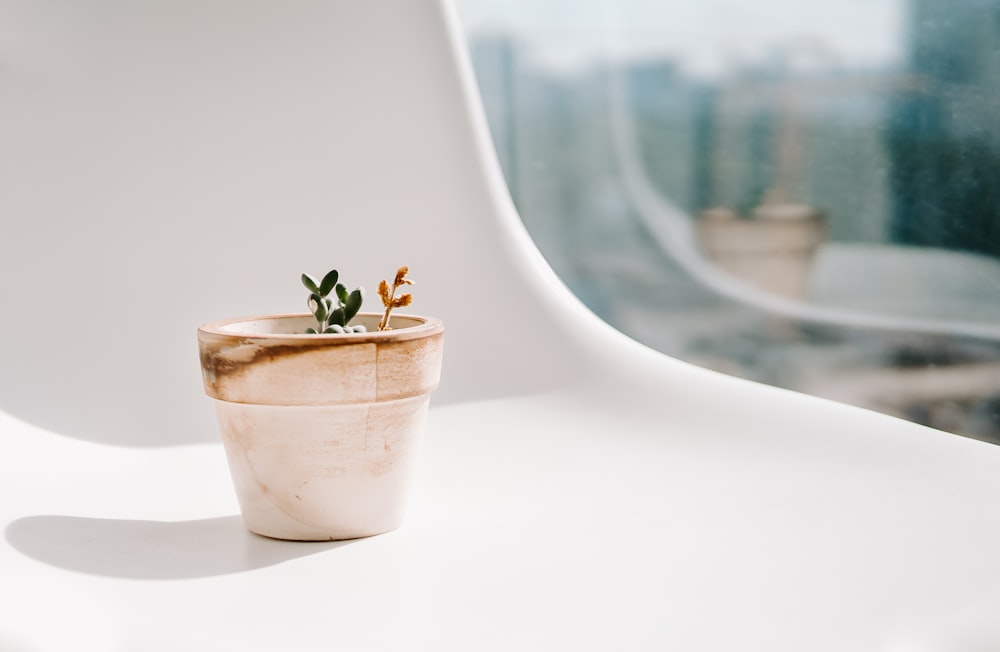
(544, 522)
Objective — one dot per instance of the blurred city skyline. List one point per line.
(707, 39)
(881, 115)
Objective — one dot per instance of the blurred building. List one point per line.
(944, 137)
(884, 153)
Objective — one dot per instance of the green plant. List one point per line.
(331, 318)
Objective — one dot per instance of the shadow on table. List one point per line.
(153, 549)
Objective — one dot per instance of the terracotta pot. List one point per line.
(321, 431)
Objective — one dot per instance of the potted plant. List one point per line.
(321, 413)
(773, 249)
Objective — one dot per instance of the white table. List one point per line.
(543, 522)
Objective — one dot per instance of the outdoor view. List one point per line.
(803, 194)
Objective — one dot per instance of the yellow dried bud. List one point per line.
(400, 275)
(402, 301)
(383, 292)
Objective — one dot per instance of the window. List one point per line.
(803, 195)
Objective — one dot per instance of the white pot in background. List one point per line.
(774, 250)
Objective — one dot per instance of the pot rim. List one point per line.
(220, 329)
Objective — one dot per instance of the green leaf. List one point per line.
(338, 317)
(310, 283)
(353, 303)
(328, 282)
(311, 331)
(335, 328)
(341, 293)
(320, 312)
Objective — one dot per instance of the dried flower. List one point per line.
(401, 276)
(389, 298)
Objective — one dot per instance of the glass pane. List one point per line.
(803, 194)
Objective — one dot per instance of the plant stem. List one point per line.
(383, 323)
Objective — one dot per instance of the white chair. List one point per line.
(170, 163)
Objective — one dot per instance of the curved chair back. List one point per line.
(176, 163)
